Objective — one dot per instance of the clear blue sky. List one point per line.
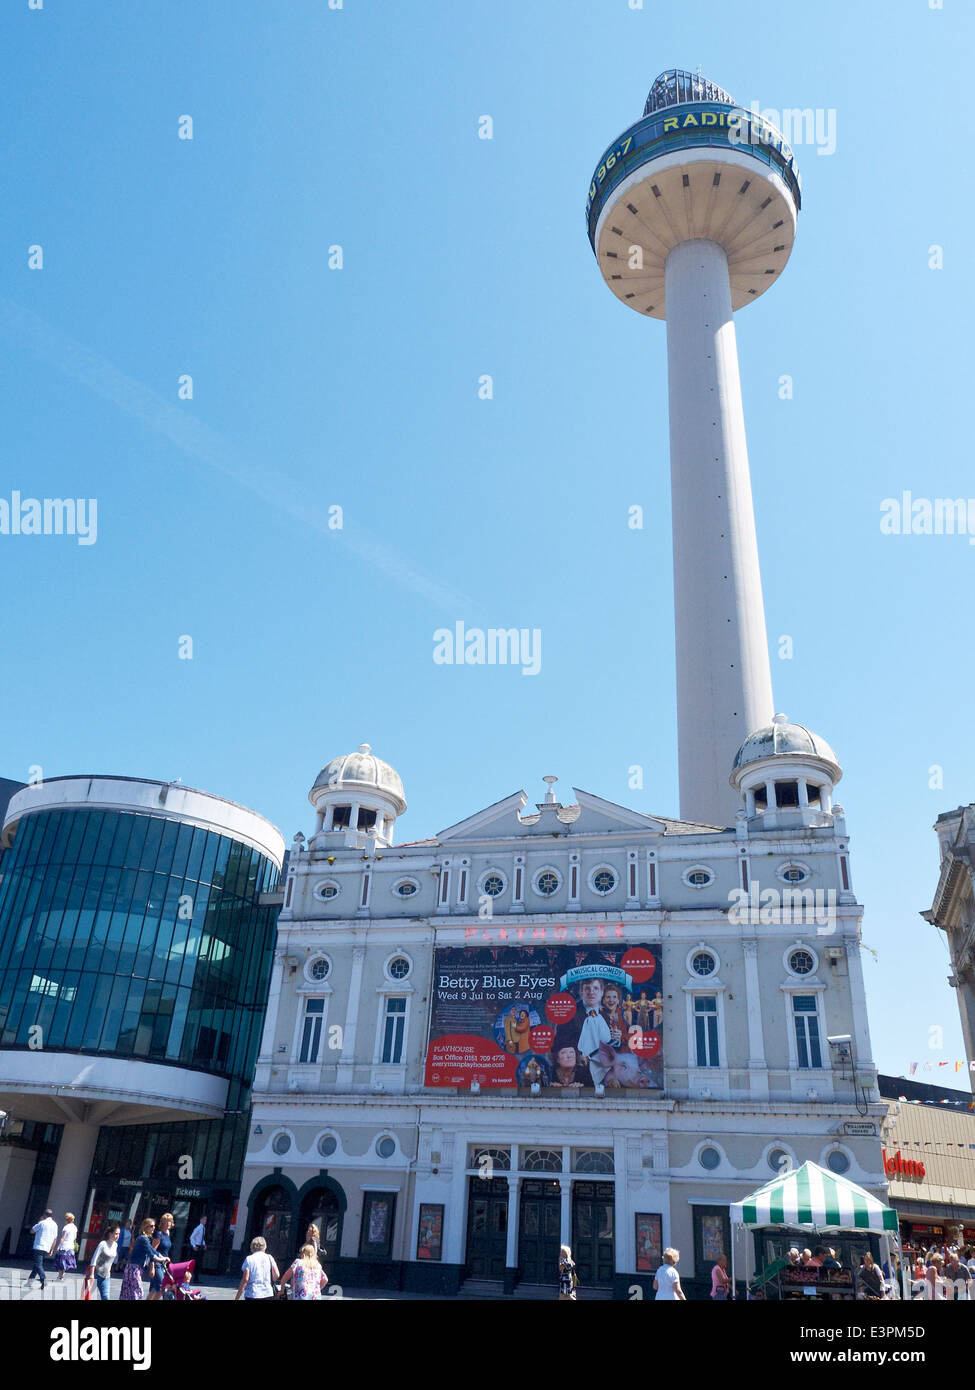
(357, 388)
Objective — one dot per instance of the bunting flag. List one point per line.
(928, 1066)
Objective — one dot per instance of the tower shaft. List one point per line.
(724, 684)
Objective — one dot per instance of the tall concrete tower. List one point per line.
(692, 214)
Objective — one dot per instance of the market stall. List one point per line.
(814, 1199)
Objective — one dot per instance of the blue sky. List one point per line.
(357, 388)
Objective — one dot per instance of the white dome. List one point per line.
(360, 771)
(782, 738)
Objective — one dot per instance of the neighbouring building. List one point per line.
(953, 911)
(929, 1159)
(136, 936)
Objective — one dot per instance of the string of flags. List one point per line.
(970, 1105)
(958, 1066)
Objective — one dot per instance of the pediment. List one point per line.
(591, 815)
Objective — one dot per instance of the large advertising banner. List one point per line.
(559, 1016)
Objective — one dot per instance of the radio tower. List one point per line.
(692, 214)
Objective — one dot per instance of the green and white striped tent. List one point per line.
(812, 1196)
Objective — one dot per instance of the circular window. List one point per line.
(386, 1147)
(319, 969)
(698, 877)
(779, 1161)
(327, 890)
(801, 963)
(492, 884)
(604, 881)
(547, 883)
(406, 888)
(282, 1143)
(398, 968)
(837, 1161)
(709, 1158)
(793, 873)
(703, 963)
(327, 1145)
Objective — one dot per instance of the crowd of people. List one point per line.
(147, 1255)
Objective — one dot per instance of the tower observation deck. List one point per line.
(691, 215)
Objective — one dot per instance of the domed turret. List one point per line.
(787, 772)
(358, 792)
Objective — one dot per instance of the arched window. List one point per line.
(320, 1207)
(542, 1161)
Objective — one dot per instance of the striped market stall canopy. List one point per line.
(812, 1196)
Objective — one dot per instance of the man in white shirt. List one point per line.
(198, 1238)
(45, 1238)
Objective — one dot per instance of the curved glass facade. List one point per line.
(134, 935)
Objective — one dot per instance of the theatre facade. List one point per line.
(560, 1026)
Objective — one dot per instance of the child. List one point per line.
(186, 1287)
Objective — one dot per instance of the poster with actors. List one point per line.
(561, 1017)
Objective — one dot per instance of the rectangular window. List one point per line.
(653, 880)
(632, 892)
(311, 1031)
(394, 1027)
(807, 1030)
(706, 1029)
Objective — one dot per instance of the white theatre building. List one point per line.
(427, 1186)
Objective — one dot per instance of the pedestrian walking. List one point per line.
(720, 1279)
(312, 1238)
(124, 1244)
(259, 1273)
(667, 1280)
(45, 1234)
(64, 1255)
(106, 1253)
(306, 1276)
(568, 1278)
(142, 1257)
(198, 1238)
(162, 1244)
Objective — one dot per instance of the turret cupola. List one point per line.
(786, 774)
(358, 793)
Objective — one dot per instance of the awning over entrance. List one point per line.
(812, 1196)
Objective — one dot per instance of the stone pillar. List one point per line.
(69, 1185)
(511, 1251)
(757, 1061)
(344, 1071)
(565, 1224)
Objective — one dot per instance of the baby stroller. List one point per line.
(175, 1285)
